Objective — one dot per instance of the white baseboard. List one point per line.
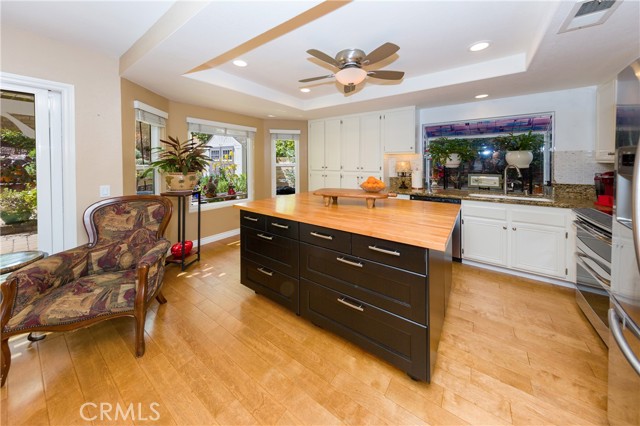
(217, 237)
(549, 280)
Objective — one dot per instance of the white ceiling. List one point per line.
(158, 42)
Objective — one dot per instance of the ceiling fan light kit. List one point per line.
(350, 62)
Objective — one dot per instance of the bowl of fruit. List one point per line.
(372, 185)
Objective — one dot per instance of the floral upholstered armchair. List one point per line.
(118, 273)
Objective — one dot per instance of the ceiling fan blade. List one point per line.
(323, 57)
(306, 80)
(349, 88)
(386, 75)
(380, 53)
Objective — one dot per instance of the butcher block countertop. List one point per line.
(424, 224)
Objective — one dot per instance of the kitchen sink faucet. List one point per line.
(505, 179)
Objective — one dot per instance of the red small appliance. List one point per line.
(604, 191)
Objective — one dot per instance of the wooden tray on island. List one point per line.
(330, 195)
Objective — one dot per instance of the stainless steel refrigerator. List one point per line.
(624, 314)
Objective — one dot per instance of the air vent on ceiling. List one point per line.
(588, 13)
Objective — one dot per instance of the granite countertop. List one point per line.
(565, 196)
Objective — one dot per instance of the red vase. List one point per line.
(176, 249)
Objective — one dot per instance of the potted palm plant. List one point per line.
(180, 162)
(450, 152)
(519, 148)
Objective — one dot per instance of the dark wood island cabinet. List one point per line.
(378, 284)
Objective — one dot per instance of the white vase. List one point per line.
(521, 159)
(453, 161)
(180, 182)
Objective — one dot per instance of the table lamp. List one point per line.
(403, 169)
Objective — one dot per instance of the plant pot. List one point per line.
(521, 159)
(453, 161)
(180, 182)
(14, 217)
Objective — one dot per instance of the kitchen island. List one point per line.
(378, 277)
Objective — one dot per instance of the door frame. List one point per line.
(55, 125)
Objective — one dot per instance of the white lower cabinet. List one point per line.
(526, 238)
(323, 179)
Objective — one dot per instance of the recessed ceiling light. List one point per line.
(239, 63)
(271, 116)
(484, 95)
(305, 90)
(481, 45)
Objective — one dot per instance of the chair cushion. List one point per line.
(88, 297)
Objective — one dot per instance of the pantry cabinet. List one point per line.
(606, 122)
(324, 151)
(525, 238)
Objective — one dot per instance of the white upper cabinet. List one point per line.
(370, 147)
(399, 130)
(606, 122)
(350, 143)
(316, 145)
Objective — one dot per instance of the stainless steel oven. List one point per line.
(593, 267)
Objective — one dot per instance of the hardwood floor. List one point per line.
(513, 351)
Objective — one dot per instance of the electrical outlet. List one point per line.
(105, 190)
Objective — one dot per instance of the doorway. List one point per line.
(284, 161)
(37, 144)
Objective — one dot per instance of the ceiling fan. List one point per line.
(350, 62)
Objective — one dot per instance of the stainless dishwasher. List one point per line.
(456, 248)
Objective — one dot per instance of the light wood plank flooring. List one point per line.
(513, 351)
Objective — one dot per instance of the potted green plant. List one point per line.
(181, 162)
(450, 152)
(18, 206)
(519, 147)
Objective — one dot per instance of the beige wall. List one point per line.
(303, 146)
(94, 76)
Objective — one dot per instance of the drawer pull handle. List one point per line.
(265, 237)
(325, 237)
(385, 251)
(349, 304)
(252, 219)
(264, 271)
(278, 225)
(349, 262)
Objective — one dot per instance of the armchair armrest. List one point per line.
(29, 283)
(151, 270)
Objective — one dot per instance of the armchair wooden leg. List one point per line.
(160, 298)
(140, 335)
(6, 360)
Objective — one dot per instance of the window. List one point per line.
(228, 176)
(284, 157)
(150, 126)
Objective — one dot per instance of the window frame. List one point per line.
(157, 132)
(279, 134)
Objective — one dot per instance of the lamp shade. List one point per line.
(403, 167)
(350, 75)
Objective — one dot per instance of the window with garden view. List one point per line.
(149, 130)
(284, 167)
(226, 177)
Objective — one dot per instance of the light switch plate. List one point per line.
(105, 190)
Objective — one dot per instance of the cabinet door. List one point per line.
(606, 122)
(350, 180)
(538, 248)
(370, 148)
(484, 240)
(316, 180)
(350, 146)
(332, 180)
(332, 142)
(316, 145)
(399, 131)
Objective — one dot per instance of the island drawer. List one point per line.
(253, 220)
(276, 286)
(399, 292)
(326, 237)
(283, 227)
(400, 342)
(391, 253)
(273, 251)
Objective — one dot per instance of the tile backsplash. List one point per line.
(577, 167)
